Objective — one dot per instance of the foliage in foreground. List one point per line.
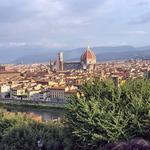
(20, 132)
(104, 113)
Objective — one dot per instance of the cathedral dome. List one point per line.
(88, 57)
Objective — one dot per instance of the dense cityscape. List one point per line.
(55, 80)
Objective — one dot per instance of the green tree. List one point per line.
(19, 132)
(135, 98)
(25, 137)
(105, 113)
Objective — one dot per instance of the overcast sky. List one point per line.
(74, 23)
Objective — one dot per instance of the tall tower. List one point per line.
(2, 68)
(60, 61)
(50, 65)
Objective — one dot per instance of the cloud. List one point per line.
(44, 43)
(20, 10)
(33, 20)
(17, 44)
(135, 33)
(45, 10)
(69, 22)
(143, 3)
(14, 10)
(142, 19)
(13, 44)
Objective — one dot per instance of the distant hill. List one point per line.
(102, 53)
(111, 53)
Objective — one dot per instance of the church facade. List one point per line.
(87, 61)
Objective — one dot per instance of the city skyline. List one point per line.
(35, 26)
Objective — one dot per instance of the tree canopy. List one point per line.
(104, 113)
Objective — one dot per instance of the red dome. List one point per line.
(88, 56)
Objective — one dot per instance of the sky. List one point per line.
(74, 23)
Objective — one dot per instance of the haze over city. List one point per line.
(29, 27)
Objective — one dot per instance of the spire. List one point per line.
(88, 47)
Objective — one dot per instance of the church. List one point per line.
(87, 62)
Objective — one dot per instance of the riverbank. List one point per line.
(29, 104)
(45, 114)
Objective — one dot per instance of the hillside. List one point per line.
(102, 53)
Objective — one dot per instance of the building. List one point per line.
(58, 65)
(9, 74)
(18, 93)
(72, 65)
(37, 95)
(61, 61)
(56, 94)
(4, 91)
(2, 68)
(87, 61)
(88, 58)
(59, 94)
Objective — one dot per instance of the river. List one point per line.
(48, 114)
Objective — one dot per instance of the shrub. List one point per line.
(25, 137)
(105, 113)
(19, 132)
(10, 120)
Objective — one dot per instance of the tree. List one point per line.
(105, 113)
(19, 132)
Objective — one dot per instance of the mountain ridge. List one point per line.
(102, 53)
